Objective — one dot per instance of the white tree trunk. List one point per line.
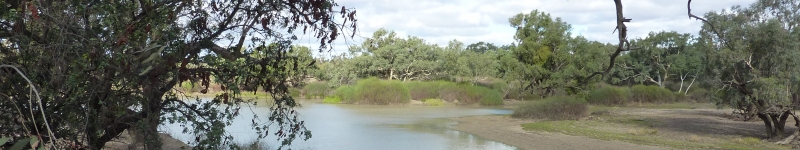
(690, 85)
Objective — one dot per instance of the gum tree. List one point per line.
(102, 67)
(752, 57)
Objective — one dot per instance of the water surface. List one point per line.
(369, 127)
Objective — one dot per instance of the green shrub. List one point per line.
(553, 108)
(332, 100)
(294, 92)
(490, 97)
(423, 90)
(699, 95)
(347, 93)
(316, 90)
(608, 95)
(433, 102)
(651, 94)
(374, 91)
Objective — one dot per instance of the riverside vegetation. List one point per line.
(136, 55)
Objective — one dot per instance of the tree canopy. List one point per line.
(119, 62)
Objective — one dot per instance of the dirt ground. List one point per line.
(692, 125)
(125, 142)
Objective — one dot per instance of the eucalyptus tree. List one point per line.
(654, 60)
(102, 67)
(540, 39)
(752, 57)
(549, 59)
(392, 57)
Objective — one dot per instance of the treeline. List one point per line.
(545, 60)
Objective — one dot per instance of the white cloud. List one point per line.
(470, 21)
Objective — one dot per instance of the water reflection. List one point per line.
(354, 127)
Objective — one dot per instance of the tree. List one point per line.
(481, 47)
(655, 59)
(392, 57)
(751, 55)
(551, 61)
(118, 62)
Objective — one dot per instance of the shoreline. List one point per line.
(507, 130)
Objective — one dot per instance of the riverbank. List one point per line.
(626, 128)
(507, 130)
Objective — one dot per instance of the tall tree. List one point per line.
(655, 59)
(102, 67)
(751, 55)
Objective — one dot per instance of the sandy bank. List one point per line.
(507, 130)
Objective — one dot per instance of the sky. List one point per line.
(471, 21)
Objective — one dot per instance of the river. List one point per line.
(370, 127)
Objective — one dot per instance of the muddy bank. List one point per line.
(507, 130)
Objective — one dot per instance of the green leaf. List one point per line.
(20, 144)
(34, 142)
(4, 140)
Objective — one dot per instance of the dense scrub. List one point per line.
(615, 95)
(553, 108)
(609, 95)
(375, 91)
(316, 90)
(652, 94)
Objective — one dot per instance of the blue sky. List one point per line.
(470, 21)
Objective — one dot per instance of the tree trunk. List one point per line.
(690, 85)
(391, 73)
(767, 123)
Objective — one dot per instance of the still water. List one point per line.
(360, 127)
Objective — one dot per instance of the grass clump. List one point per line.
(652, 94)
(294, 92)
(316, 90)
(423, 90)
(468, 94)
(374, 91)
(553, 108)
(608, 95)
(347, 93)
(332, 100)
(433, 102)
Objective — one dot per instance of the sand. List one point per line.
(507, 130)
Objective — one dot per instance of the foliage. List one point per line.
(651, 94)
(550, 61)
(553, 108)
(752, 59)
(346, 93)
(294, 92)
(118, 62)
(316, 90)
(423, 90)
(375, 91)
(609, 95)
(433, 102)
(468, 94)
(332, 100)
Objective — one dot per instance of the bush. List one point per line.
(468, 94)
(332, 100)
(294, 92)
(699, 95)
(346, 93)
(423, 90)
(433, 102)
(316, 90)
(608, 95)
(553, 108)
(651, 94)
(374, 91)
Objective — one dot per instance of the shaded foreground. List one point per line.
(625, 128)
